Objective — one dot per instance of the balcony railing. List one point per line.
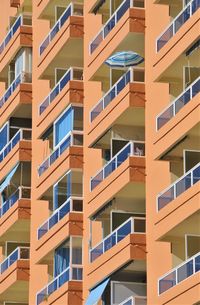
(72, 204)
(134, 148)
(177, 23)
(112, 21)
(73, 138)
(178, 187)
(22, 134)
(17, 254)
(173, 108)
(132, 225)
(73, 273)
(21, 20)
(71, 74)
(22, 192)
(137, 300)
(179, 274)
(21, 78)
(132, 75)
(73, 9)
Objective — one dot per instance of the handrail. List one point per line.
(17, 254)
(132, 148)
(127, 77)
(172, 109)
(110, 24)
(11, 144)
(21, 78)
(66, 142)
(113, 237)
(184, 182)
(19, 22)
(59, 213)
(69, 75)
(67, 275)
(172, 278)
(132, 300)
(14, 197)
(176, 23)
(69, 11)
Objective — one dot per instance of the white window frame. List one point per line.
(184, 157)
(186, 244)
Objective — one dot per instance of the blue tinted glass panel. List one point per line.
(3, 136)
(63, 125)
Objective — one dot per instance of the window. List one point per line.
(63, 125)
(4, 135)
(62, 190)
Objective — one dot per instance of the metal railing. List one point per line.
(178, 187)
(72, 204)
(179, 273)
(17, 254)
(21, 20)
(21, 134)
(112, 21)
(72, 9)
(23, 192)
(132, 75)
(71, 74)
(136, 300)
(174, 107)
(132, 225)
(21, 78)
(73, 138)
(177, 23)
(133, 148)
(72, 273)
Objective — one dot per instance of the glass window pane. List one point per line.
(3, 136)
(63, 126)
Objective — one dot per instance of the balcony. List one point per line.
(75, 74)
(72, 273)
(132, 75)
(131, 226)
(72, 10)
(21, 78)
(177, 188)
(134, 148)
(71, 205)
(179, 274)
(135, 301)
(73, 138)
(21, 134)
(21, 193)
(21, 253)
(177, 23)
(183, 99)
(112, 21)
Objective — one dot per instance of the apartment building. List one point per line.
(99, 152)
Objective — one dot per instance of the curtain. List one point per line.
(63, 125)
(61, 260)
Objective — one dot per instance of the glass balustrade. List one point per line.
(180, 273)
(177, 23)
(74, 138)
(178, 187)
(72, 273)
(21, 78)
(71, 74)
(132, 225)
(18, 254)
(134, 148)
(112, 21)
(74, 9)
(72, 204)
(21, 20)
(22, 192)
(184, 98)
(21, 134)
(132, 75)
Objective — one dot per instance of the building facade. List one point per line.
(99, 152)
